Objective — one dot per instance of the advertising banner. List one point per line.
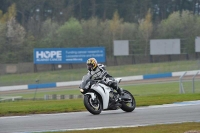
(165, 46)
(197, 44)
(67, 55)
(121, 47)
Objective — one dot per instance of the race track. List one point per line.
(141, 116)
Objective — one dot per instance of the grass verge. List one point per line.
(74, 105)
(191, 127)
(116, 71)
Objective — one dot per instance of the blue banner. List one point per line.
(67, 55)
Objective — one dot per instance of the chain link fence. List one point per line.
(190, 84)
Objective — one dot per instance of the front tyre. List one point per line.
(93, 106)
(128, 105)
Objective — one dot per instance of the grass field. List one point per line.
(145, 95)
(116, 71)
(74, 105)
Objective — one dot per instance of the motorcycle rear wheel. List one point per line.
(94, 107)
(132, 103)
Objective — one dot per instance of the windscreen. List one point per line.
(84, 81)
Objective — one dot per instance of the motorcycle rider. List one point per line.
(99, 72)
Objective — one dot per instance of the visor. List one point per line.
(89, 65)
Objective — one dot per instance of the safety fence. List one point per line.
(191, 83)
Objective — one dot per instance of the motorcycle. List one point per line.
(98, 96)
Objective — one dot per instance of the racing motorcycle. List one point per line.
(98, 96)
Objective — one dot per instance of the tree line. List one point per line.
(29, 24)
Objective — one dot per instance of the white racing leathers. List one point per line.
(100, 73)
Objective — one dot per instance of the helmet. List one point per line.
(91, 64)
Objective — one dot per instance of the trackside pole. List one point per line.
(37, 81)
(181, 84)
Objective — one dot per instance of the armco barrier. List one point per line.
(71, 83)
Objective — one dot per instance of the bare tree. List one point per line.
(146, 29)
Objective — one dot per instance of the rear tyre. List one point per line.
(93, 106)
(128, 105)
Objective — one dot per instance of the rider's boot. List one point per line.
(119, 91)
(121, 94)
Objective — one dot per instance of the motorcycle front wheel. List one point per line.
(128, 105)
(93, 106)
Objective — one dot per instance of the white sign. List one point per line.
(121, 47)
(197, 44)
(165, 46)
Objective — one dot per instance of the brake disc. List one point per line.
(95, 106)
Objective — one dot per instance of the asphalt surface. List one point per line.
(142, 116)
